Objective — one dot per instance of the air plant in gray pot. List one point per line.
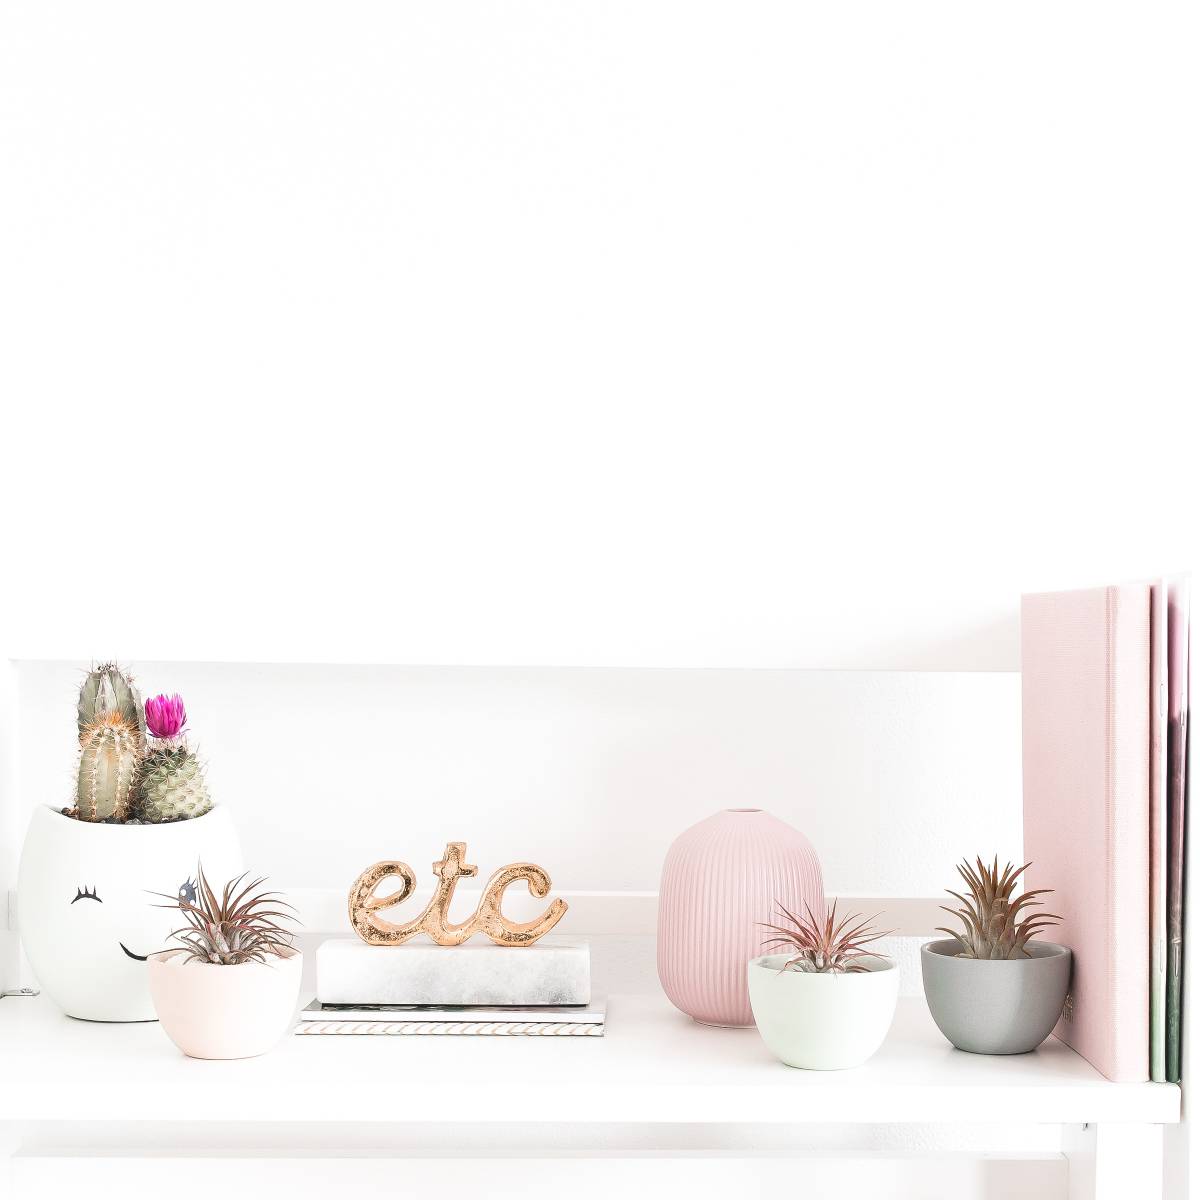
(992, 987)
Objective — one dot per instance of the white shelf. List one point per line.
(654, 1065)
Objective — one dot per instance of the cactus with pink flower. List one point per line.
(134, 760)
(172, 779)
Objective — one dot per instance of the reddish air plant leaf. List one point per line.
(828, 945)
(165, 716)
(991, 916)
(241, 925)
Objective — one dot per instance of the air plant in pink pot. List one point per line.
(172, 782)
(228, 987)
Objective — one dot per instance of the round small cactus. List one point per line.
(172, 785)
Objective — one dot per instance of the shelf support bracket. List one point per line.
(1114, 1161)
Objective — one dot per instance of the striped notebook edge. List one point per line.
(448, 1029)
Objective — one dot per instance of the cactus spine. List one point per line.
(109, 760)
(108, 689)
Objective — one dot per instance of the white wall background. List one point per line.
(652, 332)
(657, 333)
(591, 773)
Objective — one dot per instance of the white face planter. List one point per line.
(86, 910)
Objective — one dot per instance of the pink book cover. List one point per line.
(1085, 730)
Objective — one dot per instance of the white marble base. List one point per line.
(553, 971)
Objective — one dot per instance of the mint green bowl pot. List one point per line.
(823, 1022)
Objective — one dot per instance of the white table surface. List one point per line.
(653, 1065)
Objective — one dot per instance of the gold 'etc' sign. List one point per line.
(365, 906)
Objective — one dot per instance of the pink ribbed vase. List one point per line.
(720, 879)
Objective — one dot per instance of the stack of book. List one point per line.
(1104, 682)
(574, 1020)
(543, 990)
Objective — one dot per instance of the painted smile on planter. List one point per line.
(186, 891)
(86, 893)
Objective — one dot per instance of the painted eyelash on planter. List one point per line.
(84, 894)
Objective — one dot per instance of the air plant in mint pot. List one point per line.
(822, 999)
(817, 946)
(993, 986)
(172, 780)
(228, 988)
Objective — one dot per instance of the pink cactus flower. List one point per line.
(165, 716)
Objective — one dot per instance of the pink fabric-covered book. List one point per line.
(1085, 721)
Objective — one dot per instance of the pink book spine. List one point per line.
(1085, 662)
(1128, 805)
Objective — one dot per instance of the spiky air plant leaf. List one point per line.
(241, 925)
(991, 915)
(826, 946)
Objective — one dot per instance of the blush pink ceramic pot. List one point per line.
(212, 1011)
(720, 879)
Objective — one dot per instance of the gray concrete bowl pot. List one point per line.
(996, 1006)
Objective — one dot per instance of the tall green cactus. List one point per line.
(109, 762)
(108, 689)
